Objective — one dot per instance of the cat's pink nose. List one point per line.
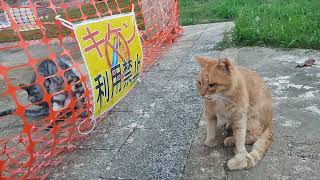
(202, 94)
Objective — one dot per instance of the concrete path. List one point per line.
(156, 132)
(295, 153)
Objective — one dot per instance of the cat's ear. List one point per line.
(203, 61)
(225, 64)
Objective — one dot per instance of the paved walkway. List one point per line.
(156, 132)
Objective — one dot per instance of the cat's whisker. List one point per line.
(213, 97)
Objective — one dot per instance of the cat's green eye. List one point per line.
(212, 85)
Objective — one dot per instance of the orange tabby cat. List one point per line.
(241, 97)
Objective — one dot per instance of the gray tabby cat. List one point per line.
(53, 84)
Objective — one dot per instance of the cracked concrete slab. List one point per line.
(149, 154)
(82, 164)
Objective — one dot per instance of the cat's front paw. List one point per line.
(211, 142)
(238, 162)
(229, 141)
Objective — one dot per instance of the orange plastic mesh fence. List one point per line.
(44, 86)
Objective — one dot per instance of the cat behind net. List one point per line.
(55, 86)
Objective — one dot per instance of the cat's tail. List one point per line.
(7, 112)
(260, 147)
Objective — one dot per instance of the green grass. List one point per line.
(206, 11)
(276, 23)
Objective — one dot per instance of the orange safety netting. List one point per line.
(41, 67)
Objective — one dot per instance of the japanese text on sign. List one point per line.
(112, 51)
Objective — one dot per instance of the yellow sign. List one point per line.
(112, 51)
